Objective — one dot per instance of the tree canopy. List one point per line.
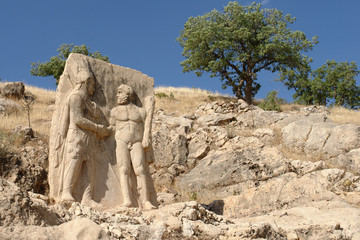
(333, 83)
(55, 66)
(240, 42)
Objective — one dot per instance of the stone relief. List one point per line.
(132, 126)
(100, 140)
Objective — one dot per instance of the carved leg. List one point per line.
(138, 160)
(123, 160)
(71, 174)
(87, 199)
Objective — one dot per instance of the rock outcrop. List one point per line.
(14, 90)
(227, 171)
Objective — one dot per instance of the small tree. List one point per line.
(333, 83)
(27, 103)
(56, 65)
(240, 42)
(338, 83)
(271, 102)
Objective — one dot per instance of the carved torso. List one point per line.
(129, 123)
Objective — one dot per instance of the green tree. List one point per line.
(339, 81)
(56, 65)
(333, 83)
(240, 42)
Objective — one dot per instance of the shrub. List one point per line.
(271, 102)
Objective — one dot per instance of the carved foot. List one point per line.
(148, 206)
(91, 203)
(67, 197)
(126, 203)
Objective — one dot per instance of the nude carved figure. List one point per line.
(132, 126)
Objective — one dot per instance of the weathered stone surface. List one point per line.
(169, 147)
(215, 119)
(264, 134)
(18, 208)
(28, 167)
(285, 191)
(318, 136)
(239, 106)
(325, 139)
(225, 168)
(253, 188)
(13, 90)
(296, 133)
(83, 229)
(100, 130)
(349, 161)
(342, 139)
(198, 145)
(8, 106)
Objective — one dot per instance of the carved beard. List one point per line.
(123, 100)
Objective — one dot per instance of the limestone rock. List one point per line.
(265, 134)
(96, 102)
(284, 192)
(198, 145)
(83, 229)
(169, 148)
(317, 138)
(296, 133)
(343, 138)
(17, 208)
(27, 167)
(321, 138)
(220, 169)
(304, 167)
(349, 161)
(215, 119)
(8, 106)
(13, 90)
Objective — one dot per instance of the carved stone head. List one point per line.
(125, 94)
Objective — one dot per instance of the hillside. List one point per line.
(222, 170)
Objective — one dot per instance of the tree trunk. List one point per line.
(248, 91)
(239, 93)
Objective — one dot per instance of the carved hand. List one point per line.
(146, 142)
(111, 128)
(103, 131)
(96, 109)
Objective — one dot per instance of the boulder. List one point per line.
(324, 139)
(215, 119)
(18, 208)
(169, 147)
(13, 90)
(83, 229)
(8, 106)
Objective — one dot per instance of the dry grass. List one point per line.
(176, 101)
(181, 100)
(289, 107)
(342, 115)
(40, 117)
(42, 95)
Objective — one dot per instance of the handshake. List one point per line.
(102, 130)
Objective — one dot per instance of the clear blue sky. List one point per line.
(141, 35)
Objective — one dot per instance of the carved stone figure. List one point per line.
(83, 163)
(74, 137)
(132, 125)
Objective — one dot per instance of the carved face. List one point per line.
(123, 95)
